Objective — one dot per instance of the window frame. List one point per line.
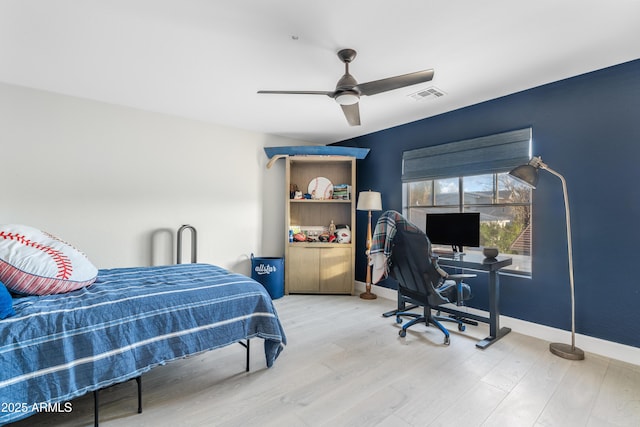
(462, 206)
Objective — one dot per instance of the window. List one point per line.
(503, 203)
(472, 176)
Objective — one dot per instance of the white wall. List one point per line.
(106, 178)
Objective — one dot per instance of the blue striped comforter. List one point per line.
(130, 320)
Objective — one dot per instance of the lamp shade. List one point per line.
(369, 201)
(526, 174)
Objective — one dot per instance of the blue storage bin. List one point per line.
(269, 271)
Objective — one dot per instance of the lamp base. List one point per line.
(368, 295)
(566, 351)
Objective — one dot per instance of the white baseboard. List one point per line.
(588, 344)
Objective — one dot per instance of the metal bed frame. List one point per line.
(194, 257)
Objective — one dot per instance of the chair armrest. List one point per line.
(461, 276)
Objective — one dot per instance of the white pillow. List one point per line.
(33, 262)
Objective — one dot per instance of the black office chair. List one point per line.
(421, 282)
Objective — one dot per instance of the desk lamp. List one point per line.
(528, 175)
(369, 201)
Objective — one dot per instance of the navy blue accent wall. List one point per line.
(588, 129)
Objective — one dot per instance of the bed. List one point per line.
(58, 347)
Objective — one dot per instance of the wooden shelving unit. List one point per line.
(319, 267)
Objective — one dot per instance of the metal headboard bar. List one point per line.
(194, 243)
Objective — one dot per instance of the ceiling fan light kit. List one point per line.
(347, 98)
(348, 91)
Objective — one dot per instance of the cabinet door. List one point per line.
(335, 271)
(303, 266)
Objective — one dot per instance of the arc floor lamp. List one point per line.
(528, 175)
(369, 201)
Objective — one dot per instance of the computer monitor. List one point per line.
(455, 229)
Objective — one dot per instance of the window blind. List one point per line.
(488, 154)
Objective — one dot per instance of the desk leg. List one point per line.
(495, 332)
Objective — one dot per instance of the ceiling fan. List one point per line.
(348, 91)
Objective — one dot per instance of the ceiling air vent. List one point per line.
(431, 92)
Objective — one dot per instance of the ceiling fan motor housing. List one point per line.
(346, 92)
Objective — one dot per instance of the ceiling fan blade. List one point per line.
(352, 113)
(298, 92)
(397, 82)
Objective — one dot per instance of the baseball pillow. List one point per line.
(33, 262)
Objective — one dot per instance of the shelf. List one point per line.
(320, 201)
(319, 245)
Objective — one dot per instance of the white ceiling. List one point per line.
(205, 59)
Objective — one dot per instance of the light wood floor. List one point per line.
(345, 365)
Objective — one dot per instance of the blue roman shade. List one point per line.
(488, 154)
